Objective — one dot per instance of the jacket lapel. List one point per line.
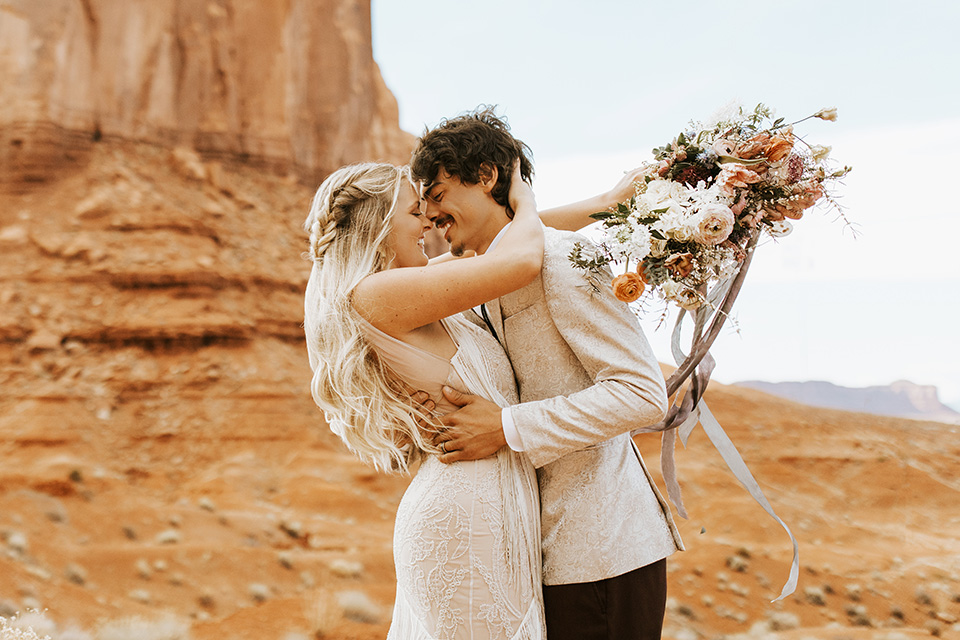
(496, 319)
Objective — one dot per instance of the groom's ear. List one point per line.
(488, 176)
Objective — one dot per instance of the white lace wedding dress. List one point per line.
(466, 542)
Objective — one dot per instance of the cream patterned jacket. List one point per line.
(586, 377)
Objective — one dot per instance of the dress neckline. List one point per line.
(443, 323)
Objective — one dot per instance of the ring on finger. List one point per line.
(443, 446)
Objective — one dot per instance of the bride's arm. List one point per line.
(576, 215)
(447, 257)
(398, 301)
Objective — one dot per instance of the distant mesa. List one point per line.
(901, 398)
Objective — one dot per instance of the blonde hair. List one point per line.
(349, 223)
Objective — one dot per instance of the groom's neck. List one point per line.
(495, 224)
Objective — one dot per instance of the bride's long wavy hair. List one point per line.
(349, 223)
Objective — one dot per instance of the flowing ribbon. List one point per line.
(682, 418)
(739, 468)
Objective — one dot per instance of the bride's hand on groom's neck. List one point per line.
(521, 196)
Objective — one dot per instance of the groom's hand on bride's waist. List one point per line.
(471, 432)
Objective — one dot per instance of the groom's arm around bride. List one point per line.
(585, 370)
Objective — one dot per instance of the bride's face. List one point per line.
(408, 226)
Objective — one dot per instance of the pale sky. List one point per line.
(593, 87)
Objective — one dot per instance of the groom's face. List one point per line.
(461, 212)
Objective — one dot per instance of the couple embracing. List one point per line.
(531, 512)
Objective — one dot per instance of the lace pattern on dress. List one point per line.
(467, 535)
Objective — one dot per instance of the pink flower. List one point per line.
(722, 147)
(739, 206)
(716, 223)
(734, 175)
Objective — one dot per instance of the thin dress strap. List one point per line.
(419, 368)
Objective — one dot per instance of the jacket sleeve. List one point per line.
(628, 390)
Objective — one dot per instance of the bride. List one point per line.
(382, 319)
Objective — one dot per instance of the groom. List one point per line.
(586, 376)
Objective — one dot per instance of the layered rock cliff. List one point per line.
(289, 84)
(151, 301)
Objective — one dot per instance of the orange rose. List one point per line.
(794, 207)
(772, 147)
(779, 146)
(753, 147)
(627, 287)
(642, 271)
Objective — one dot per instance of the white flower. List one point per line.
(658, 248)
(678, 225)
(702, 197)
(829, 114)
(820, 152)
(668, 207)
(670, 289)
(627, 240)
(641, 208)
(683, 232)
(689, 299)
(614, 241)
(640, 242)
(683, 296)
(665, 194)
(659, 191)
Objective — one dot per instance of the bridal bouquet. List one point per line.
(689, 233)
(710, 190)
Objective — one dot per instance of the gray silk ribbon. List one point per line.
(739, 468)
(682, 418)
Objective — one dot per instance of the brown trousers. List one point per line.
(626, 607)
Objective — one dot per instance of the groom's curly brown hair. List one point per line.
(462, 144)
